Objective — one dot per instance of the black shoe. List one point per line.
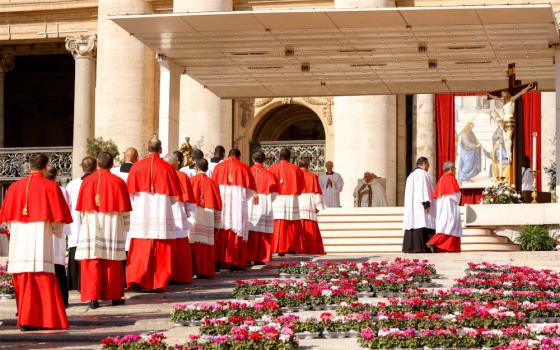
(432, 249)
(29, 328)
(135, 287)
(258, 263)
(202, 277)
(281, 254)
(235, 269)
(117, 302)
(94, 304)
(217, 267)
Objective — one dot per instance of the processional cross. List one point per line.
(508, 97)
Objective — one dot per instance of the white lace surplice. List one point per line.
(102, 236)
(203, 222)
(152, 216)
(235, 209)
(286, 207)
(309, 203)
(260, 215)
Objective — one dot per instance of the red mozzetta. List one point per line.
(103, 192)
(153, 175)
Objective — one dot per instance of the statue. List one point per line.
(187, 149)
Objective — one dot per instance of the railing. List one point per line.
(313, 150)
(14, 162)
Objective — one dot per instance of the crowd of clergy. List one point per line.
(149, 222)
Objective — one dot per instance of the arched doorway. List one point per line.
(294, 126)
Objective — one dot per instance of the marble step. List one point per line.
(396, 248)
(344, 241)
(341, 233)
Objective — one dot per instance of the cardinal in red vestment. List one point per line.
(449, 228)
(182, 264)
(103, 202)
(287, 225)
(35, 210)
(204, 221)
(310, 203)
(261, 220)
(154, 187)
(237, 187)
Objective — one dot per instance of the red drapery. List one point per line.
(532, 124)
(445, 125)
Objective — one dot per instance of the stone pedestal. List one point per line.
(424, 132)
(7, 62)
(203, 116)
(83, 48)
(365, 136)
(125, 97)
(169, 92)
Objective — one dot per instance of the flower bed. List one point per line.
(191, 314)
(272, 336)
(484, 295)
(136, 342)
(6, 283)
(441, 338)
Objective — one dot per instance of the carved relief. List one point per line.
(82, 45)
(261, 102)
(247, 110)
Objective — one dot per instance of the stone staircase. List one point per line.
(379, 230)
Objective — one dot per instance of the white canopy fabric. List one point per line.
(342, 52)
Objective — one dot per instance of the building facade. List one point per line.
(68, 73)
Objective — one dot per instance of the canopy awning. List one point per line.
(355, 52)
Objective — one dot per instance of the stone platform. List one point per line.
(150, 312)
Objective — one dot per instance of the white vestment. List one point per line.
(192, 171)
(181, 214)
(526, 179)
(203, 222)
(449, 215)
(211, 166)
(102, 236)
(331, 194)
(418, 190)
(378, 196)
(235, 209)
(59, 243)
(260, 215)
(117, 171)
(31, 247)
(308, 204)
(152, 216)
(285, 207)
(72, 230)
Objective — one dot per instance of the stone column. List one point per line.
(424, 135)
(557, 126)
(548, 137)
(125, 97)
(401, 148)
(365, 136)
(203, 116)
(83, 48)
(169, 89)
(7, 63)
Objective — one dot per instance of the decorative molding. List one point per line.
(82, 46)
(7, 62)
(247, 110)
(261, 102)
(326, 102)
(313, 150)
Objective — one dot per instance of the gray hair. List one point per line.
(170, 158)
(448, 166)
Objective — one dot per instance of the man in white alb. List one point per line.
(370, 191)
(331, 185)
(526, 175)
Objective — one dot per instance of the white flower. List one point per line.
(284, 338)
(326, 293)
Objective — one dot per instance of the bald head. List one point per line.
(329, 166)
(131, 155)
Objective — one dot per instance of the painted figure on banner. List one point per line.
(470, 153)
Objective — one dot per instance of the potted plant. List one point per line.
(535, 238)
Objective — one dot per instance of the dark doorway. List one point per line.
(39, 101)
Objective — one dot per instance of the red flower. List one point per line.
(255, 336)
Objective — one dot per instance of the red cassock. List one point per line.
(287, 237)
(445, 242)
(208, 201)
(182, 264)
(310, 202)
(150, 260)
(237, 187)
(35, 199)
(259, 245)
(101, 279)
